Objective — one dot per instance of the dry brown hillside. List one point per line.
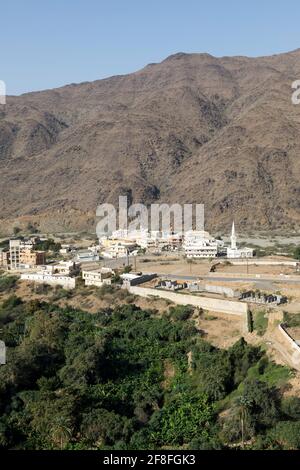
(193, 128)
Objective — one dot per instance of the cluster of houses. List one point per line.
(194, 244)
(21, 255)
(121, 243)
(62, 274)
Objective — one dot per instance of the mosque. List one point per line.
(234, 252)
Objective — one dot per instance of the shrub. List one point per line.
(260, 323)
(8, 283)
(181, 312)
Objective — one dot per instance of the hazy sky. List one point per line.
(49, 43)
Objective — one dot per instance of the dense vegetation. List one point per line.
(47, 245)
(130, 379)
(7, 282)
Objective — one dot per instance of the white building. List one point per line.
(134, 235)
(87, 256)
(63, 268)
(134, 279)
(44, 277)
(15, 252)
(97, 277)
(60, 274)
(199, 244)
(233, 252)
(118, 250)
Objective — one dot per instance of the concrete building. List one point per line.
(234, 252)
(97, 277)
(119, 249)
(44, 277)
(173, 285)
(87, 257)
(4, 259)
(199, 244)
(63, 268)
(265, 299)
(22, 255)
(30, 258)
(65, 249)
(143, 239)
(14, 254)
(133, 235)
(61, 274)
(134, 279)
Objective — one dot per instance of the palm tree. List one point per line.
(242, 408)
(61, 430)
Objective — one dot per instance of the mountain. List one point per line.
(191, 129)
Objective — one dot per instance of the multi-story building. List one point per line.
(61, 274)
(32, 258)
(119, 249)
(14, 254)
(199, 244)
(4, 259)
(97, 277)
(22, 255)
(63, 268)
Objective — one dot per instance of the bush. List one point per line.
(287, 435)
(291, 407)
(260, 323)
(8, 283)
(181, 312)
(61, 293)
(297, 253)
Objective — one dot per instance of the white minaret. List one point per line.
(233, 237)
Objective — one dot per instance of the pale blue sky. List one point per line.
(49, 43)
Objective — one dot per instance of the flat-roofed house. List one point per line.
(97, 277)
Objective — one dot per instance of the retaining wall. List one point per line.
(287, 337)
(215, 305)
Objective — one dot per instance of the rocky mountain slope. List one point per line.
(191, 129)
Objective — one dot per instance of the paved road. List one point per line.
(230, 279)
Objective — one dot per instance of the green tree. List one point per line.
(297, 253)
(61, 431)
(287, 435)
(182, 419)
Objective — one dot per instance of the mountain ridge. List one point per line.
(191, 129)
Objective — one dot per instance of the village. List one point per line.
(225, 279)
